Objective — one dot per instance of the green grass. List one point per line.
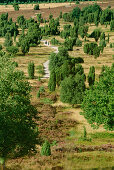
(89, 160)
(102, 135)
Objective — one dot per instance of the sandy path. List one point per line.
(46, 64)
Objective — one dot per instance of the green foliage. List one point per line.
(17, 115)
(72, 89)
(96, 52)
(54, 41)
(15, 63)
(112, 25)
(31, 69)
(12, 50)
(92, 49)
(61, 15)
(106, 16)
(97, 104)
(40, 69)
(38, 94)
(96, 34)
(108, 38)
(84, 137)
(91, 76)
(83, 31)
(102, 44)
(21, 21)
(40, 91)
(111, 45)
(50, 16)
(39, 18)
(0, 47)
(46, 101)
(36, 7)
(52, 28)
(52, 81)
(25, 46)
(102, 135)
(78, 43)
(16, 6)
(46, 150)
(69, 44)
(85, 133)
(8, 40)
(102, 36)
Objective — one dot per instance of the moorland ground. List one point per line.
(61, 123)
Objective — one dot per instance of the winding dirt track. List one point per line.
(46, 64)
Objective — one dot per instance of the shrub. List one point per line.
(111, 45)
(79, 60)
(12, 50)
(36, 7)
(77, 2)
(54, 41)
(40, 69)
(46, 101)
(38, 94)
(15, 63)
(60, 16)
(31, 68)
(16, 6)
(46, 150)
(78, 43)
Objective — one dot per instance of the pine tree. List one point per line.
(31, 69)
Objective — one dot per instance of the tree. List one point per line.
(102, 44)
(52, 81)
(72, 89)
(18, 132)
(112, 25)
(91, 76)
(102, 36)
(69, 44)
(97, 104)
(96, 34)
(76, 12)
(96, 52)
(8, 40)
(21, 21)
(25, 46)
(31, 69)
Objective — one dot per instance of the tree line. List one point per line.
(38, 1)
